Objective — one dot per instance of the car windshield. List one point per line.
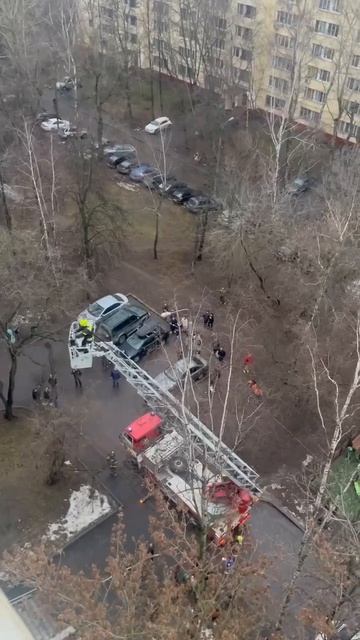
(135, 341)
(178, 371)
(95, 309)
(154, 123)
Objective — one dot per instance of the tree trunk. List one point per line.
(160, 90)
(8, 220)
(156, 236)
(202, 235)
(128, 96)
(11, 386)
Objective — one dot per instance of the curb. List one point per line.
(87, 530)
(269, 499)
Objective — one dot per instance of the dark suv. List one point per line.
(122, 323)
(146, 339)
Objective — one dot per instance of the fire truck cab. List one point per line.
(145, 430)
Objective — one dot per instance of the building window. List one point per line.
(284, 17)
(330, 5)
(349, 128)
(353, 84)
(133, 38)
(323, 75)
(242, 76)
(281, 62)
(355, 61)
(133, 21)
(182, 51)
(319, 51)
(105, 11)
(351, 107)
(221, 23)
(246, 54)
(309, 115)
(246, 10)
(275, 103)
(161, 8)
(219, 63)
(315, 95)
(219, 44)
(285, 42)
(244, 32)
(131, 3)
(327, 28)
(280, 84)
(236, 52)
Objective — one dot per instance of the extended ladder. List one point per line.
(195, 433)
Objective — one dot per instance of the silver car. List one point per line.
(100, 309)
(175, 375)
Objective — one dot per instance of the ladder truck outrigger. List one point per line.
(191, 465)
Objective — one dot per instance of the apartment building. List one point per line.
(297, 57)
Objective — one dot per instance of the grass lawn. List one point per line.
(27, 503)
(348, 501)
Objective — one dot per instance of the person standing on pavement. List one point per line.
(210, 320)
(115, 375)
(198, 344)
(222, 294)
(220, 354)
(205, 318)
(77, 378)
(36, 393)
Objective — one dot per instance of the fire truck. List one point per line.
(189, 462)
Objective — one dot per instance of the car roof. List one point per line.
(143, 426)
(106, 301)
(185, 363)
(161, 119)
(148, 326)
(119, 314)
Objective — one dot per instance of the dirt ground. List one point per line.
(27, 504)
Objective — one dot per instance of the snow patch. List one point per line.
(86, 506)
(274, 486)
(307, 460)
(126, 185)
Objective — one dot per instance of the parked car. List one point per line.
(122, 323)
(149, 179)
(53, 124)
(126, 166)
(300, 185)
(164, 187)
(146, 339)
(65, 85)
(119, 156)
(138, 173)
(45, 115)
(102, 308)
(182, 194)
(157, 125)
(341, 632)
(175, 375)
(111, 149)
(72, 132)
(200, 203)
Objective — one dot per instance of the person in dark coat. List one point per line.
(115, 375)
(210, 320)
(206, 318)
(220, 354)
(77, 377)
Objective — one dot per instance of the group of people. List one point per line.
(46, 395)
(208, 319)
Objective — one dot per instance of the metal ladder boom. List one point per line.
(190, 427)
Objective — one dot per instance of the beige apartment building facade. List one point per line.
(300, 58)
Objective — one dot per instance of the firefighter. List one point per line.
(86, 330)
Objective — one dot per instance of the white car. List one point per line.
(175, 375)
(54, 125)
(157, 125)
(101, 308)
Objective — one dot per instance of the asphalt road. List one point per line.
(101, 413)
(149, 147)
